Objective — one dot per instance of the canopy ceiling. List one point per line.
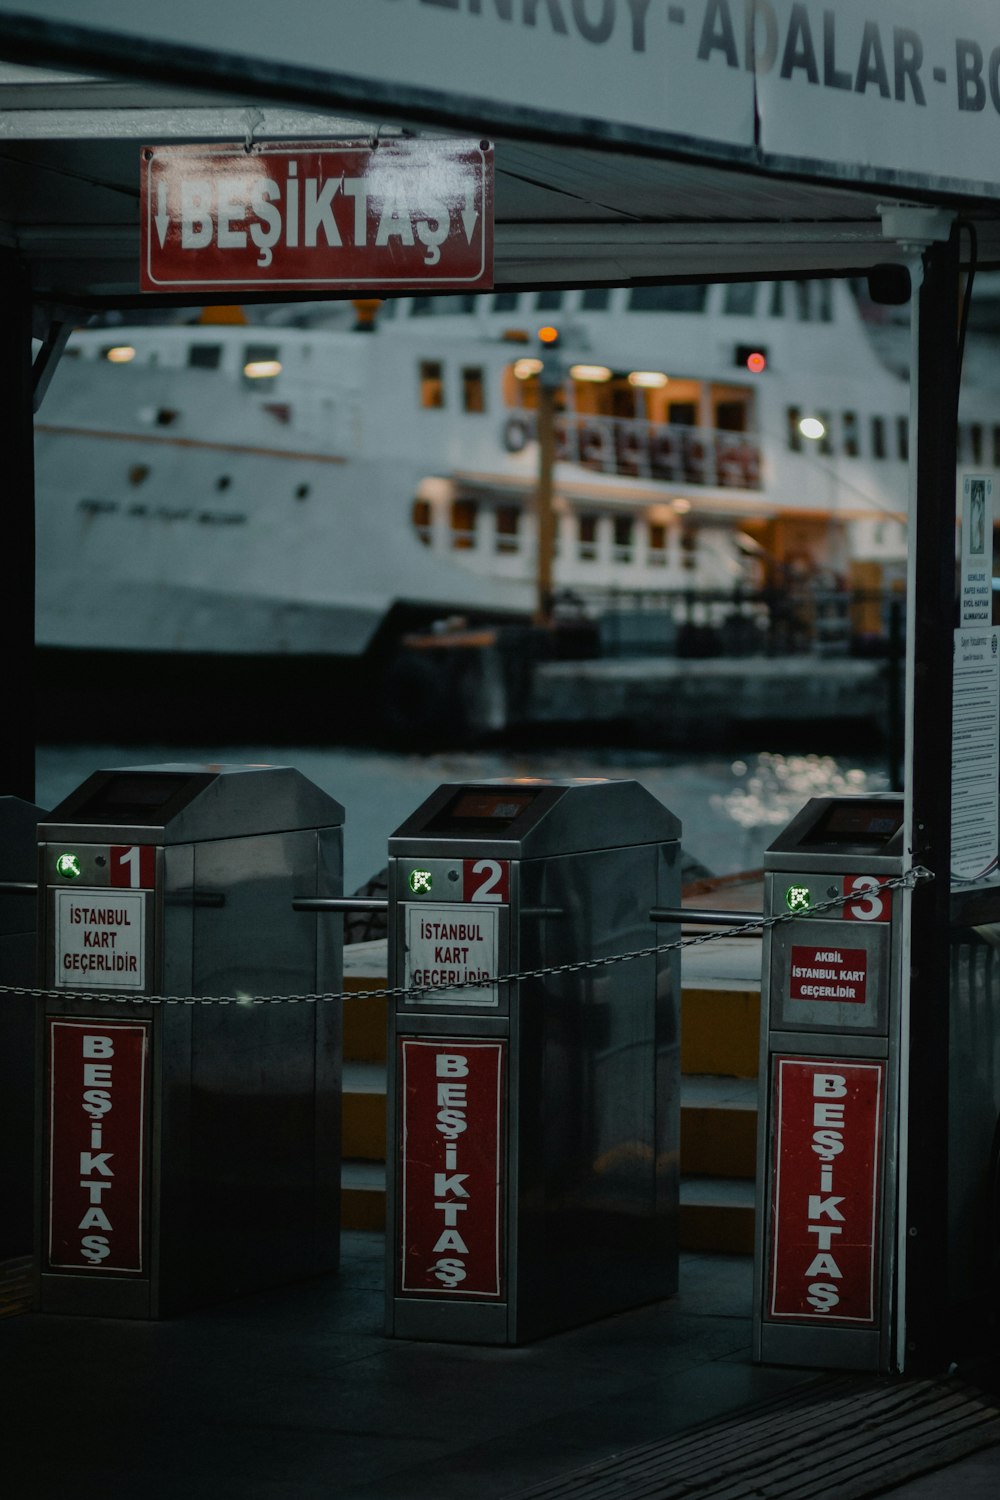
(566, 214)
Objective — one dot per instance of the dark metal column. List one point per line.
(17, 552)
(932, 618)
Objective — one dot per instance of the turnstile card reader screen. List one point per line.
(124, 797)
(474, 810)
(856, 822)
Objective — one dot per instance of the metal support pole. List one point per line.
(923, 1226)
(17, 555)
(544, 515)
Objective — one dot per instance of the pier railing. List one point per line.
(648, 450)
(739, 622)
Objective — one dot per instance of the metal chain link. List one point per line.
(761, 924)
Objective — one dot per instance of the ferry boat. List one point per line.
(318, 482)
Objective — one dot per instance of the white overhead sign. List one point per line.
(898, 93)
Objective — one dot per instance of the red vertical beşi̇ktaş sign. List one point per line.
(825, 1198)
(451, 1166)
(396, 215)
(97, 1083)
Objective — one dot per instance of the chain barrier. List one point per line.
(760, 924)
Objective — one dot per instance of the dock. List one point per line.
(677, 698)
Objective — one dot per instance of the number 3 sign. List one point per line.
(868, 902)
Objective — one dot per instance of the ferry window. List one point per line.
(622, 535)
(505, 301)
(825, 445)
(205, 356)
(689, 547)
(422, 520)
(682, 414)
(976, 441)
(302, 492)
(878, 437)
(166, 416)
(451, 307)
(803, 301)
(996, 447)
(777, 309)
(689, 299)
(508, 527)
(223, 482)
(794, 415)
(431, 383)
(421, 307)
(903, 438)
(595, 299)
(473, 388)
(587, 538)
(824, 296)
(463, 524)
(852, 441)
(261, 364)
(740, 299)
(731, 416)
(548, 301)
(656, 544)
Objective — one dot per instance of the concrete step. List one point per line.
(717, 1214)
(718, 1121)
(720, 1025)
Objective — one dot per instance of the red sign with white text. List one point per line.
(486, 880)
(396, 215)
(98, 1076)
(825, 1193)
(839, 974)
(451, 1166)
(132, 866)
(868, 901)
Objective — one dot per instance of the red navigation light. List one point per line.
(752, 357)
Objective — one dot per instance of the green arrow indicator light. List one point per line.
(421, 882)
(797, 898)
(68, 866)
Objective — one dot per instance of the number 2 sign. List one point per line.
(486, 880)
(867, 901)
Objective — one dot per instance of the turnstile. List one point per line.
(18, 942)
(187, 1151)
(835, 1101)
(533, 1124)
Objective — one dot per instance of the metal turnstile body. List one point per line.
(839, 1117)
(186, 1152)
(533, 1126)
(18, 944)
(828, 1138)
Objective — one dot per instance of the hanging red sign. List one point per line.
(97, 1085)
(451, 1166)
(825, 1193)
(391, 216)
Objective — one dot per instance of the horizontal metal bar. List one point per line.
(702, 917)
(18, 887)
(340, 903)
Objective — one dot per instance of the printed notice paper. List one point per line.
(976, 575)
(974, 759)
